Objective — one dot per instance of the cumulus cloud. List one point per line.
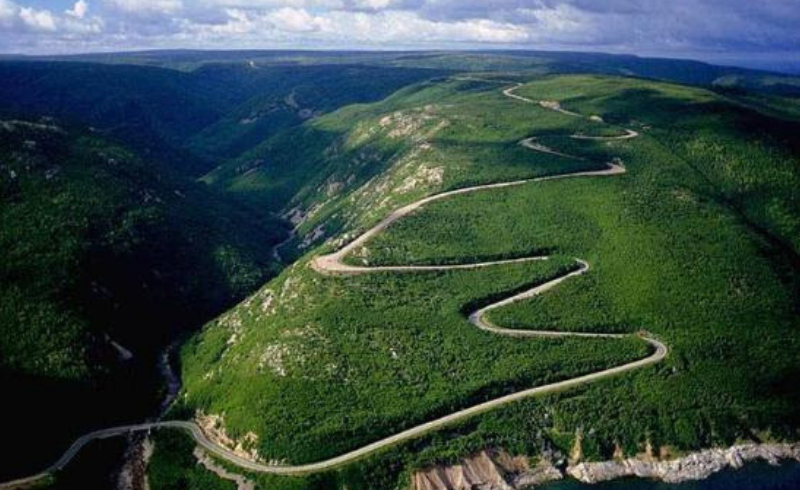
(79, 10)
(26, 24)
(405, 26)
(8, 12)
(295, 20)
(345, 28)
(38, 20)
(671, 27)
(373, 4)
(146, 6)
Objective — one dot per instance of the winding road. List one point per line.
(332, 264)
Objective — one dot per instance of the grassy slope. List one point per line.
(690, 244)
(271, 173)
(319, 373)
(101, 243)
(696, 243)
(97, 246)
(308, 344)
(286, 96)
(189, 121)
(425, 138)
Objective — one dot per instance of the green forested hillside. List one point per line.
(696, 243)
(286, 96)
(683, 71)
(100, 247)
(151, 109)
(111, 249)
(378, 156)
(190, 120)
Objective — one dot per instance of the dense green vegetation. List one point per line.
(287, 96)
(695, 243)
(98, 247)
(429, 137)
(741, 158)
(190, 120)
(529, 61)
(174, 467)
(110, 245)
(683, 245)
(150, 109)
(316, 366)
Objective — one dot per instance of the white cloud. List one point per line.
(373, 4)
(8, 11)
(409, 27)
(79, 10)
(295, 20)
(611, 25)
(37, 20)
(31, 25)
(342, 27)
(147, 6)
(261, 5)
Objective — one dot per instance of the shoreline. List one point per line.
(692, 467)
(499, 470)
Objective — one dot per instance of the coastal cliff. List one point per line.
(498, 470)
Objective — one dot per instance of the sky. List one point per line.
(757, 33)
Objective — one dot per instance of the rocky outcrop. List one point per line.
(214, 428)
(696, 466)
(487, 470)
(133, 472)
(544, 472)
(242, 482)
(498, 470)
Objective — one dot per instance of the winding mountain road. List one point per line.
(332, 264)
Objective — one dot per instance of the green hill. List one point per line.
(696, 243)
(189, 120)
(286, 96)
(685, 71)
(102, 249)
(112, 249)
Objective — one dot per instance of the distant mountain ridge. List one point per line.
(694, 72)
(190, 119)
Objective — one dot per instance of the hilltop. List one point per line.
(148, 197)
(696, 243)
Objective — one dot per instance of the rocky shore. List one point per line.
(498, 470)
(133, 472)
(693, 467)
(242, 482)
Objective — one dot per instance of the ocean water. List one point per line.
(754, 476)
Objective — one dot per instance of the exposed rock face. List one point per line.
(133, 473)
(242, 483)
(487, 470)
(475, 473)
(214, 428)
(498, 470)
(545, 472)
(695, 466)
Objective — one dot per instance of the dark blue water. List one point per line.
(754, 476)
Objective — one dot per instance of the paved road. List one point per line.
(332, 264)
